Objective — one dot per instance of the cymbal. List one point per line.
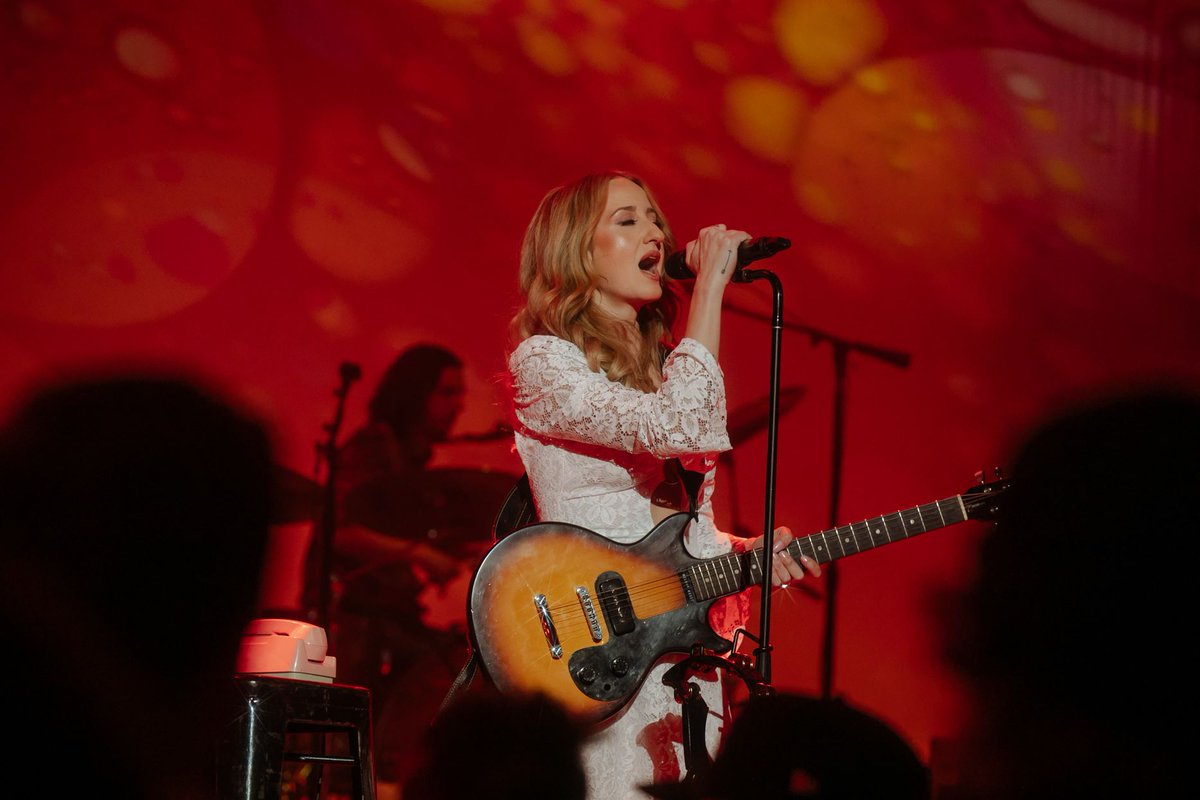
(498, 432)
(458, 503)
(750, 418)
(479, 483)
(451, 509)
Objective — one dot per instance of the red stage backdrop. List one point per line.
(253, 193)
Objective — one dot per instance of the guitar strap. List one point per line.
(461, 682)
(692, 481)
(518, 511)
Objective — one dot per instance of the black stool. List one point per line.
(269, 714)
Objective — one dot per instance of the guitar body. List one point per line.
(558, 609)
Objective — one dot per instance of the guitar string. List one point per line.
(571, 622)
(728, 566)
(668, 589)
(863, 535)
(929, 513)
(573, 619)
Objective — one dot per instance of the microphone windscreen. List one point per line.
(748, 251)
(676, 267)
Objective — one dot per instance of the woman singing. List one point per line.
(608, 414)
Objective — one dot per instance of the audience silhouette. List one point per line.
(135, 521)
(503, 747)
(1076, 660)
(136, 517)
(832, 750)
(786, 746)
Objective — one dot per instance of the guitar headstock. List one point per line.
(982, 501)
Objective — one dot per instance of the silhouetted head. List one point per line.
(152, 495)
(1071, 637)
(519, 747)
(789, 746)
(134, 531)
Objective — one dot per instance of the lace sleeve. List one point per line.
(556, 395)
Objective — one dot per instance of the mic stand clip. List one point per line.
(695, 711)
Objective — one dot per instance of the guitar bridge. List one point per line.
(543, 611)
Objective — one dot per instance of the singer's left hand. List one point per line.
(784, 568)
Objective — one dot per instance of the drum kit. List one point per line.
(452, 509)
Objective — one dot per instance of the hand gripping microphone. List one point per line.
(748, 251)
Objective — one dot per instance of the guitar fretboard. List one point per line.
(717, 577)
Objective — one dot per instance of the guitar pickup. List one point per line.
(543, 611)
(589, 612)
(615, 602)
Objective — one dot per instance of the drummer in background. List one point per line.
(414, 407)
(387, 551)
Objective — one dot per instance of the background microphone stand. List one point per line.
(328, 450)
(842, 348)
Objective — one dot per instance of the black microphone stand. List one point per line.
(763, 651)
(758, 675)
(328, 450)
(841, 353)
(749, 251)
(694, 714)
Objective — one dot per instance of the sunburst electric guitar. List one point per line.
(558, 609)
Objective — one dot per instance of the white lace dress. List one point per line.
(594, 451)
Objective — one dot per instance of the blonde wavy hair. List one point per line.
(560, 288)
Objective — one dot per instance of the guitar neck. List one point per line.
(733, 572)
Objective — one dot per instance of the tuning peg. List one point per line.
(981, 475)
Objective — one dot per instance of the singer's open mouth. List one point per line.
(649, 261)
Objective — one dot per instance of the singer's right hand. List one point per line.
(713, 255)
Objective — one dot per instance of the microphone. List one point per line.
(748, 251)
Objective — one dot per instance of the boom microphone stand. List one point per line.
(758, 676)
(763, 651)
